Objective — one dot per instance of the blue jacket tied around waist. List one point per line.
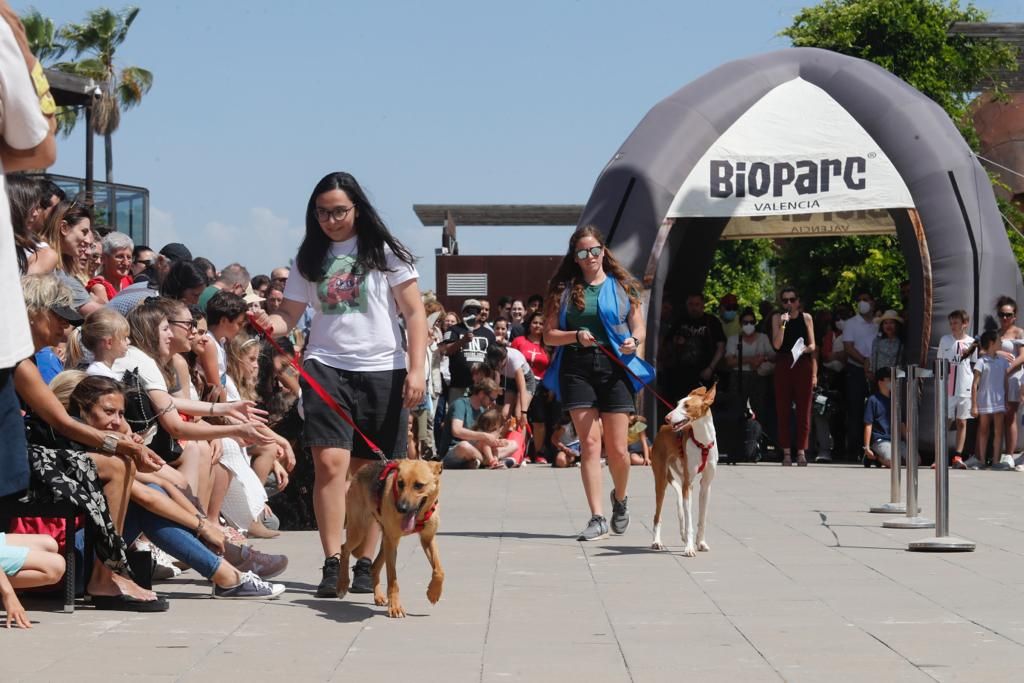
(613, 309)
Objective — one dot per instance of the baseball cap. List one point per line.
(471, 303)
(176, 251)
(67, 313)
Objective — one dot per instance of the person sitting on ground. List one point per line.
(26, 561)
(468, 444)
(957, 348)
(988, 398)
(168, 519)
(490, 422)
(117, 267)
(877, 424)
(637, 444)
(565, 442)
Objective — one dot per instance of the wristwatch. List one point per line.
(109, 444)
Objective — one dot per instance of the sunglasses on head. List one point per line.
(593, 251)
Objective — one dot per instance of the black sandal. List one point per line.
(126, 603)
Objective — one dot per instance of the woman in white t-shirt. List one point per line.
(357, 278)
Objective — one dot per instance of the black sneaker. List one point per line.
(362, 576)
(620, 515)
(597, 529)
(328, 587)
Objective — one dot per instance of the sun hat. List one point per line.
(471, 303)
(251, 297)
(890, 315)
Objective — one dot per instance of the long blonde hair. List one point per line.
(239, 345)
(64, 383)
(100, 324)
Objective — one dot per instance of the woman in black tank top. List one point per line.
(794, 381)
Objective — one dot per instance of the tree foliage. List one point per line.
(743, 268)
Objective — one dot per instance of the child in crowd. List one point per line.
(566, 443)
(988, 398)
(637, 444)
(490, 422)
(878, 431)
(104, 334)
(26, 561)
(957, 348)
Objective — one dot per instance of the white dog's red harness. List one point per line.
(705, 449)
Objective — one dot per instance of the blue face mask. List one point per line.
(729, 316)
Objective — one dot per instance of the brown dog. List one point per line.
(402, 497)
(681, 453)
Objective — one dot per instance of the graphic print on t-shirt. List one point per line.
(342, 289)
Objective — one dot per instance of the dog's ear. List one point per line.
(437, 467)
(699, 391)
(709, 397)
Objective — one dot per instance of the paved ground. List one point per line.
(801, 584)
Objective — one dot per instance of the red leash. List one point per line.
(315, 386)
(645, 385)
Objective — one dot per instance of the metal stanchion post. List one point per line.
(897, 381)
(912, 520)
(942, 540)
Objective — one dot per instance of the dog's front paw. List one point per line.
(395, 610)
(703, 546)
(342, 588)
(434, 591)
(379, 598)
(688, 551)
(657, 545)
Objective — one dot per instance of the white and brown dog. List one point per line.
(684, 449)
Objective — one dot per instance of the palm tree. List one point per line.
(99, 37)
(44, 42)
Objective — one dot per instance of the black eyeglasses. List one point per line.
(1004, 314)
(185, 324)
(337, 213)
(593, 251)
(789, 299)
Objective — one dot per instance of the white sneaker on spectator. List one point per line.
(1005, 463)
(973, 463)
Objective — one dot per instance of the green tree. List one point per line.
(743, 268)
(98, 38)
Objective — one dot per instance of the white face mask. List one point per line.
(864, 307)
(748, 329)
(840, 324)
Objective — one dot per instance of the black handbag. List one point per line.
(142, 416)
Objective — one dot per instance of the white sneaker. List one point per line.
(973, 463)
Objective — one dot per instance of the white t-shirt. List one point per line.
(961, 376)
(22, 126)
(861, 334)
(101, 369)
(762, 346)
(515, 361)
(149, 371)
(355, 317)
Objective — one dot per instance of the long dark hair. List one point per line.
(570, 274)
(371, 233)
(23, 195)
(182, 275)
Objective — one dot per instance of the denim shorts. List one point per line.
(372, 399)
(12, 557)
(589, 379)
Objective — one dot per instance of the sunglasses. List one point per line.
(185, 324)
(593, 251)
(789, 299)
(1003, 314)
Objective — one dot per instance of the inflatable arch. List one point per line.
(811, 132)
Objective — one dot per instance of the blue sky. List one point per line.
(440, 102)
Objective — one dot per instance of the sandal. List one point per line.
(787, 460)
(126, 603)
(801, 461)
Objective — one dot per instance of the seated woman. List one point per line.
(116, 267)
(26, 561)
(168, 519)
(60, 469)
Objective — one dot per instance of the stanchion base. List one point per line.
(909, 523)
(940, 544)
(891, 508)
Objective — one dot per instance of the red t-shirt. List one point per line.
(111, 293)
(536, 355)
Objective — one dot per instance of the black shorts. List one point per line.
(372, 399)
(590, 379)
